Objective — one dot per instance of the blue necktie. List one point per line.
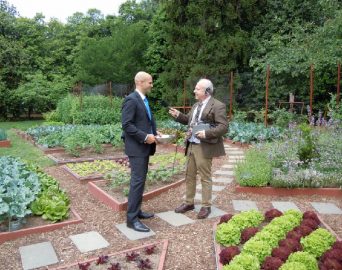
(148, 108)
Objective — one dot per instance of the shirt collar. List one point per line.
(140, 94)
(204, 102)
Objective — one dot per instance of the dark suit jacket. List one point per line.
(136, 125)
(214, 114)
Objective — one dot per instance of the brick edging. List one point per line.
(6, 236)
(104, 197)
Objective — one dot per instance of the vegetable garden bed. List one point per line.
(275, 240)
(149, 256)
(271, 191)
(36, 224)
(5, 143)
(97, 189)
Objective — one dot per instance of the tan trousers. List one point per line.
(197, 163)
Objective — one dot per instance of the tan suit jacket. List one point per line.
(214, 114)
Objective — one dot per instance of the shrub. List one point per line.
(332, 254)
(227, 254)
(271, 263)
(305, 258)
(255, 170)
(303, 230)
(337, 245)
(332, 264)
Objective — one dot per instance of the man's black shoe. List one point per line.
(138, 226)
(144, 215)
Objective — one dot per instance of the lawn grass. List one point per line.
(21, 148)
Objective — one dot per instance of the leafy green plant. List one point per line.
(246, 261)
(318, 242)
(249, 132)
(19, 186)
(3, 134)
(255, 170)
(257, 248)
(229, 233)
(52, 203)
(96, 166)
(304, 258)
(293, 266)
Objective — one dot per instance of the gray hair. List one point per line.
(207, 85)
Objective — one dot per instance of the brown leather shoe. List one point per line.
(204, 212)
(184, 208)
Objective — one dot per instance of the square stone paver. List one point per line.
(244, 205)
(215, 212)
(228, 166)
(198, 197)
(214, 187)
(284, 206)
(37, 255)
(225, 173)
(225, 180)
(132, 234)
(89, 241)
(175, 219)
(326, 208)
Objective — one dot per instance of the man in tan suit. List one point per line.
(207, 114)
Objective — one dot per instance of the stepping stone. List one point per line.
(215, 212)
(215, 188)
(175, 219)
(326, 208)
(228, 166)
(198, 197)
(132, 234)
(88, 241)
(244, 205)
(225, 180)
(236, 153)
(37, 255)
(229, 173)
(284, 206)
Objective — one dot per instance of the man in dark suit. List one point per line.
(201, 146)
(139, 131)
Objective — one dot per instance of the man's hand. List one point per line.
(174, 113)
(200, 134)
(150, 139)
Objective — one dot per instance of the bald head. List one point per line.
(143, 82)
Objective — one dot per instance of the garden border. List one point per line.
(7, 236)
(217, 246)
(160, 266)
(82, 179)
(108, 200)
(271, 191)
(5, 143)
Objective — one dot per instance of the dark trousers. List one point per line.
(139, 167)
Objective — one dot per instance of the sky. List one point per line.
(61, 9)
